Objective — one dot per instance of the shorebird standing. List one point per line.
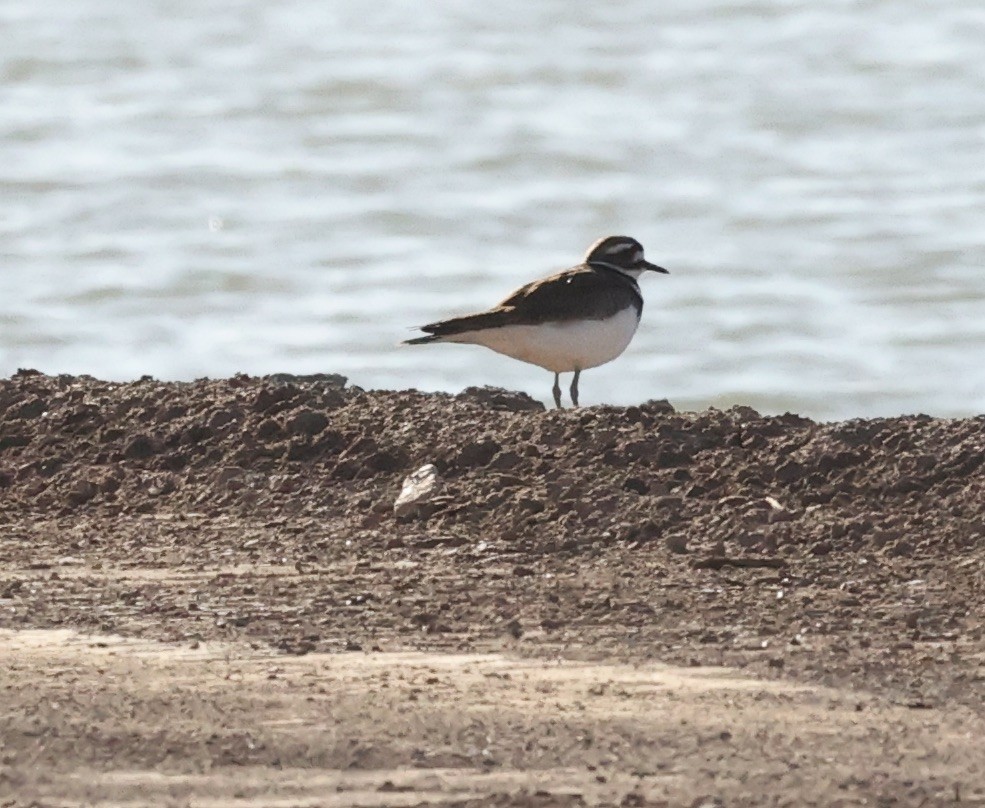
(577, 319)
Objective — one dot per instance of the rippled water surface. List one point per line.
(192, 189)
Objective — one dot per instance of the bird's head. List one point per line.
(621, 253)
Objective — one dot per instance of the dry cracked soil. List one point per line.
(206, 599)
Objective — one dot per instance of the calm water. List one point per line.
(192, 189)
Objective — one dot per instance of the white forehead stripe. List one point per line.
(618, 248)
(638, 257)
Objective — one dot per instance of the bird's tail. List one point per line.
(441, 331)
(421, 340)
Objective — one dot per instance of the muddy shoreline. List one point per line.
(259, 512)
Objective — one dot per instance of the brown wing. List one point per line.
(581, 293)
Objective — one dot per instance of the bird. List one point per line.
(576, 319)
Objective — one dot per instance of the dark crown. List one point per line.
(615, 251)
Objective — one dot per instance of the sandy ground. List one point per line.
(109, 720)
(206, 599)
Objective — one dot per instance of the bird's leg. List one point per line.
(574, 388)
(557, 390)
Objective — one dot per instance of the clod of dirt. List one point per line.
(141, 447)
(477, 453)
(677, 543)
(307, 422)
(328, 380)
(497, 398)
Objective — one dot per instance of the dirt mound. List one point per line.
(228, 527)
(847, 552)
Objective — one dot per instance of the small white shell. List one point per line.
(418, 488)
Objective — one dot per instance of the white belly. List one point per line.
(559, 347)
